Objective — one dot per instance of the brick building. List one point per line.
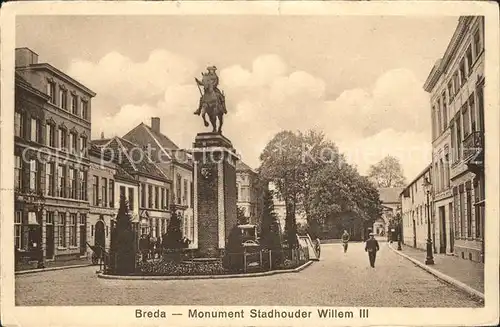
(248, 191)
(52, 128)
(456, 84)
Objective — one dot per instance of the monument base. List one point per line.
(215, 192)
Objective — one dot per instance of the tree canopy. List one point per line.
(387, 173)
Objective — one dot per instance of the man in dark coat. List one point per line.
(372, 247)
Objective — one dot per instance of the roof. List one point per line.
(423, 172)
(134, 159)
(122, 174)
(390, 194)
(160, 142)
(241, 166)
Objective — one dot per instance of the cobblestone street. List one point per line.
(338, 279)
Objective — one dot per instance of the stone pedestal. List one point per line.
(214, 192)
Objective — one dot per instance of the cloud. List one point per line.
(390, 116)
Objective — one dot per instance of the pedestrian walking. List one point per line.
(372, 247)
(317, 246)
(345, 240)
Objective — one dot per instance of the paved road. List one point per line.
(338, 280)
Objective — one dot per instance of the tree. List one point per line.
(280, 164)
(240, 216)
(122, 241)
(173, 237)
(387, 173)
(270, 229)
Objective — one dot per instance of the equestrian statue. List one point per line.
(212, 101)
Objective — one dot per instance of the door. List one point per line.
(49, 241)
(414, 234)
(83, 239)
(442, 230)
(100, 236)
(452, 232)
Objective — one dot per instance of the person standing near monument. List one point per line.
(371, 246)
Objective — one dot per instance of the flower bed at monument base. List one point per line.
(189, 268)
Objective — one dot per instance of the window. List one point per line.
(465, 120)
(143, 195)
(150, 196)
(95, 190)
(456, 213)
(85, 109)
(469, 213)
(72, 229)
(83, 220)
(479, 196)
(63, 98)
(61, 172)
(178, 189)
(459, 137)
(447, 170)
(192, 195)
(18, 228)
(111, 193)
(462, 214)
(162, 198)
(49, 179)
(450, 92)
(456, 82)
(434, 129)
(74, 104)
(122, 192)
(463, 73)
(472, 110)
(33, 175)
(50, 135)
(167, 198)
(185, 197)
(62, 138)
(35, 130)
(18, 173)
(61, 229)
(468, 54)
(478, 44)
(83, 144)
(51, 92)
(453, 141)
(83, 185)
(440, 122)
(157, 197)
(131, 198)
(445, 112)
(72, 141)
(480, 107)
(104, 195)
(19, 124)
(72, 183)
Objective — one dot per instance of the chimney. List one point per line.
(155, 124)
(25, 57)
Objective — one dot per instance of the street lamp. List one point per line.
(428, 190)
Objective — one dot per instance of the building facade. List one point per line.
(415, 211)
(52, 129)
(391, 203)
(456, 84)
(248, 191)
(177, 165)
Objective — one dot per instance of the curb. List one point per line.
(442, 276)
(259, 274)
(32, 271)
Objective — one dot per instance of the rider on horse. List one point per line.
(212, 78)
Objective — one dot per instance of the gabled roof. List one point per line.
(241, 166)
(390, 194)
(133, 159)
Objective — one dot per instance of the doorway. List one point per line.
(100, 236)
(442, 230)
(452, 232)
(49, 241)
(83, 235)
(414, 234)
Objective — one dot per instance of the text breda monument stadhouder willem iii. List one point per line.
(214, 172)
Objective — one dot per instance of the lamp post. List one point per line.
(428, 189)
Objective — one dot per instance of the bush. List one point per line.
(233, 260)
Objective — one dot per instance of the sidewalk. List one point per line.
(468, 272)
(51, 265)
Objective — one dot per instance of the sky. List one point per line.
(359, 79)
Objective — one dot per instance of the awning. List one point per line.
(32, 218)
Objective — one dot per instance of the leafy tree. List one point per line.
(281, 164)
(387, 173)
(240, 216)
(173, 237)
(122, 247)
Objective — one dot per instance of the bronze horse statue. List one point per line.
(212, 103)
